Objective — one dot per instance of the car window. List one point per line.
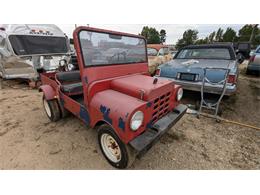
(100, 48)
(152, 52)
(161, 52)
(35, 45)
(166, 50)
(258, 50)
(204, 53)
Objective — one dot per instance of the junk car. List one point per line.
(187, 68)
(113, 93)
(254, 62)
(27, 49)
(157, 54)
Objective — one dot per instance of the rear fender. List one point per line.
(48, 92)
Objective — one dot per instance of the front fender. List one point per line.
(48, 92)
(116, 109)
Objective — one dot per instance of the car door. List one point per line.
(257, 56)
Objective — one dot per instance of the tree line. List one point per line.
(190, 36)
(245, 34)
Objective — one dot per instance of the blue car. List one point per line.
(187, 68)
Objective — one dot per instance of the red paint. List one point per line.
(117, 90)
(156, 46)
(48, 91)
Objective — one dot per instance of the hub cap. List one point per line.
(110, 148)
(47, 107)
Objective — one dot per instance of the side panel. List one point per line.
(106, 72)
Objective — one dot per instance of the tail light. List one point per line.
(158, 72)
(232, 79)
(252, 58)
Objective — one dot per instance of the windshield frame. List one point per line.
(229, 48)
(40, 54)
(94, 30)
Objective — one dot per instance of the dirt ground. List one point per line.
(28, 140)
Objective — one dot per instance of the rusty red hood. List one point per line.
(134, 85)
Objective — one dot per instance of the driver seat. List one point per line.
(71, 83)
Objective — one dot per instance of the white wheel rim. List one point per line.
(47, 107)
(110, 148)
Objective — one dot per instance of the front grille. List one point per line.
(161, 106)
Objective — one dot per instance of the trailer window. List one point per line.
(110, 49)
(36, 45)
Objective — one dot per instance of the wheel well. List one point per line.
(48, 91)
(99, 123)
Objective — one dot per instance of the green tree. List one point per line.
(229, 35)
(202, 41)
(219, 35)
(162, 35)
(211, 37)
(245, 33)
(151, 34)
(189, 37)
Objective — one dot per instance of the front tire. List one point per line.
(114, 150)
(51, 108)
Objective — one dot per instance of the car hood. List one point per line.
(134, 85)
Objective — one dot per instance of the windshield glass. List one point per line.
(204, 53)
(107, 49)
(36, 45)
(258, 50)
(151, 52)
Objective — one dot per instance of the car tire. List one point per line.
(248, 72)
(121, 156)
(63, 111)
(51, 108)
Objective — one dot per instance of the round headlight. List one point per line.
(136, 120)
(71, 67)
(179, 94)
(63, 62)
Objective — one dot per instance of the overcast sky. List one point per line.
(174, 31)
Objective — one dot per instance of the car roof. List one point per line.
(213, 45)
(156, 46)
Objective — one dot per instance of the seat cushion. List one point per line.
(75, 88)
(71, 76)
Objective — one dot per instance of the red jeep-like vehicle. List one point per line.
(113, 93)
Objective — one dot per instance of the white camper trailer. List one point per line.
(28, 49)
